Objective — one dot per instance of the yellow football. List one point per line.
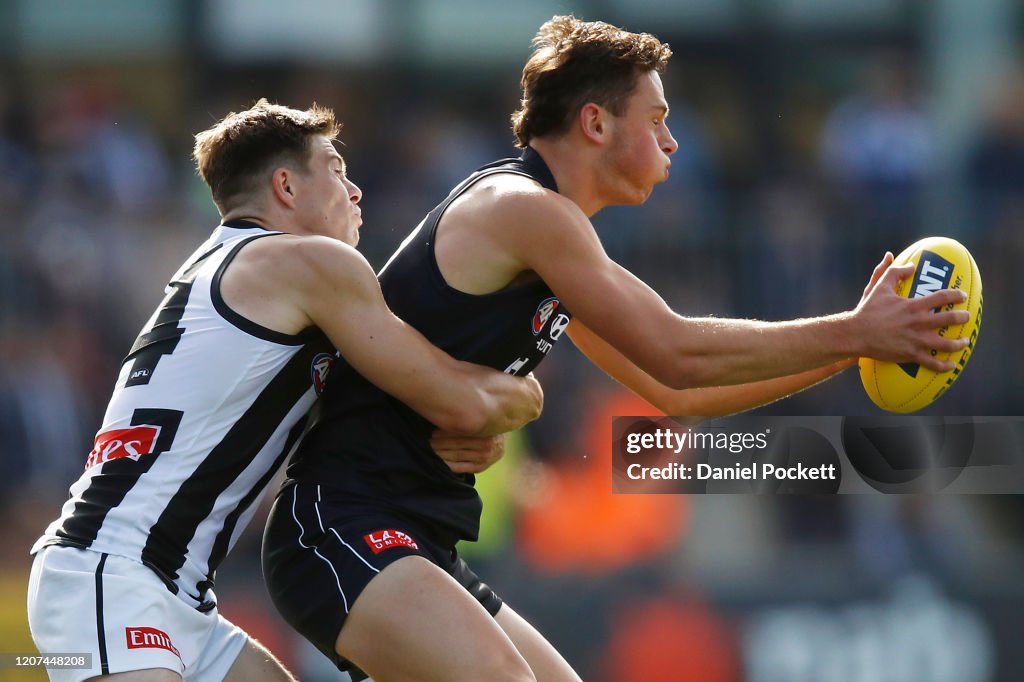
(941, 263)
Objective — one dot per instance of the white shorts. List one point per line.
(116, 609)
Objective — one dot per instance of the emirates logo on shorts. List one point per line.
(379, 540)
(149, 638)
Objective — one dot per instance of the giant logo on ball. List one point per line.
(941, 263)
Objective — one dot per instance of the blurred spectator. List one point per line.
(994, 176)
(897, 536)
(47, 405)
(97, 151)
(665, 639)
(995, 167)
(877, 146)
(794, 251)
(576, 524)
(19, 169)
(13, 429)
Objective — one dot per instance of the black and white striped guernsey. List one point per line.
(206, 407)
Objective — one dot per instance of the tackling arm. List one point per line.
(340, 295)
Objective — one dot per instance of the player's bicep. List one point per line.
(607, 298)
(388, 352)
(345, 301)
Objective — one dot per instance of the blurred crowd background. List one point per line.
(814, 135)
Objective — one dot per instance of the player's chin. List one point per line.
(644, 194)
(648, 189)
(352, 233)
(350, 236)
(635, 195)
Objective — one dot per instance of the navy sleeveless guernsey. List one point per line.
(371, 450)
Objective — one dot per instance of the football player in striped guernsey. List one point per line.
(214, 393)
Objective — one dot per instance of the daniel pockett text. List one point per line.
(678, 442)
(760, 455)
(817, 455)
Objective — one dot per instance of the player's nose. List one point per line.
(668, 143)
(354, 193)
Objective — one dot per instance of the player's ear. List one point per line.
(593, 122)
(282, 184)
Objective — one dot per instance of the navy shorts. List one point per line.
(320, 554)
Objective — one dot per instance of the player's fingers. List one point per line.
(945, 318)
(927, 360)
(896, 273)
(879, 270)
(467, 454)
(456, 444)
(444, 436)
(901, 271)
(467, 467)
(463, 455)
(450, 441)
(457, 455)
(945, 345)
(941, 298)
(471, 461)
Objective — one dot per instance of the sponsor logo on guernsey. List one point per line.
(558, 326)
(933, 274)
(149, 638)
(379, 540)
(319, 369)
(132, 443)
(544, 310)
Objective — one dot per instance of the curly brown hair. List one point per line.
(236, 153)
(575, 62)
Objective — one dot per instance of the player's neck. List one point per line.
(572, 167)
(269, 219)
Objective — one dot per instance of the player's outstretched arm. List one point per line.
(323, 282)
(712, 401)
(555, 239)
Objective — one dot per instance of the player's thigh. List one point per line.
(150, 675)
(255, 662)
(545, 661)
(414, 622)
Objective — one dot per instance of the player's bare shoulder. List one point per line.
(491, 235)
(512, 198)
(273, 281)
(517, 212)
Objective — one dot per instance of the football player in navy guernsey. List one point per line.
(359, 552)
(213, 395)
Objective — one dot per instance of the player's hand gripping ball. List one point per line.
(941, 263)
